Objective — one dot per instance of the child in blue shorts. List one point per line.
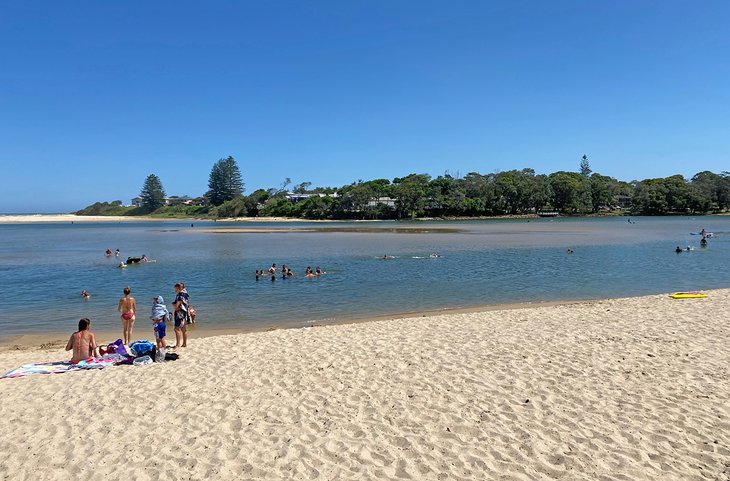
(159, 316)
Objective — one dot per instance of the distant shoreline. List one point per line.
(73, 218)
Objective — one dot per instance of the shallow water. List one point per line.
(44, 267)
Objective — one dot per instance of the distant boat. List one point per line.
(706, 234)
(548, 213)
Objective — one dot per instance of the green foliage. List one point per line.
(585, 166)
(105, 208)
(566, 187)
(515, 192)
(224, 182)
(236, 207)
(180, 211)
(152, 193)
(411, 193)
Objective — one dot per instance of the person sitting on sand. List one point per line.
(159, 316)
(128, 309)
(82, 342)
(85, 295)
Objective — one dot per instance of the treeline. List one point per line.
(513, 192)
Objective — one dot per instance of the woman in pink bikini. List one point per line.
(128, 308)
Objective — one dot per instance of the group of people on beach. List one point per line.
(183, 314)
(83, 342)
(287, 273)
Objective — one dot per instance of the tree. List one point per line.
(566, 187)
(225, 182)
(411, 193)
(302, 188)
(152, 193)
(585, 166)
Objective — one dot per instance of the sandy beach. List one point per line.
(626, 389)
(62, 218)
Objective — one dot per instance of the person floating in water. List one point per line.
(703, 232)
(678, 250)
(143, 259)
(117, 253)
(85, 295)
(108, 253)
(272, 269)
(258, 274)
(569, 251)
(434, 256)
(703, 242)
(122, 265)
(318, 271)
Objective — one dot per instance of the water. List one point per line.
(44, 268)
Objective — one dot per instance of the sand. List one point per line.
(627, 389)
(68, 218)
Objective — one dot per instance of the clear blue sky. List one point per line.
(96, 95)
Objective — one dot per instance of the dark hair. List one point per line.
(84, 324)
(127, 290)
(180, 285)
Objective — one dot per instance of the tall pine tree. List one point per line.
(152, 194)
(224, 182)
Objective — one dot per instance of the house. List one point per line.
(386, 201)
(176, 200)
(622, 201)
(294, 198)
(137, 202)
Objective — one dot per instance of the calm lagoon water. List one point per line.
(44, 267)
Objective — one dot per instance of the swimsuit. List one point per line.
(160, 328)
(127, 316)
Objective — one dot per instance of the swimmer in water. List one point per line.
(85, 295)
(434, 256)
(318, 271)
(108, 253)
(678, 250)
(117, 253)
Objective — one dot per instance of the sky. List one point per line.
(94, 96)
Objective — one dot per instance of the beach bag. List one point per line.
(117, 347)
(142, 360)
(171, 356)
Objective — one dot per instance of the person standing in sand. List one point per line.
(182, 299)
(82, 342)
(128, 309)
